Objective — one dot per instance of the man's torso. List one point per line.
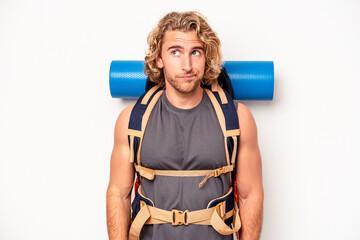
(183, 139)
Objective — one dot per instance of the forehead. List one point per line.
(181, 38)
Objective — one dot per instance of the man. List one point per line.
(183, 134)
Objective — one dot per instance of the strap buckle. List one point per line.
(220, 209)
(179, 217)
(219, 171)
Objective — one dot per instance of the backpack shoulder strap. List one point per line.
(228, 120)
(138, 120)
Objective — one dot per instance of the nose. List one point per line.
(186, 65)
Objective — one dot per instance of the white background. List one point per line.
(57, 116)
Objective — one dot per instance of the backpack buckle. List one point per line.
(219, 171)
(220, 209)
(179, 217)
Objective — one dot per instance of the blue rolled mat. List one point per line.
(251, 80)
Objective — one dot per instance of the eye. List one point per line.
(195, 53)
(175, 53)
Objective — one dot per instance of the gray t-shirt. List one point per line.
(183, 139)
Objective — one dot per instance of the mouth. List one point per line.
(187, 77)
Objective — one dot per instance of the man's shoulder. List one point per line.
(246, 121)
(124, 116)
(242, 109)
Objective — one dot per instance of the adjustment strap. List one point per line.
(216, 173)
(234, 134)
(149, 173)
(234, 153)
(138, 223)
(215, 87)
(131, 149)
(147, 96)
(218, 223)
(231, 133)
(132, 134)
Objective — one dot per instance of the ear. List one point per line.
(159, 62)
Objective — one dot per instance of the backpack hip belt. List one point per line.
(216, 215)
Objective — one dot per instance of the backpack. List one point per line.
(220, 213)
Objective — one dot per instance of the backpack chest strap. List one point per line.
(149, 173)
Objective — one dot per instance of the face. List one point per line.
(182, 60)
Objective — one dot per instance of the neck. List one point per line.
(184, 100)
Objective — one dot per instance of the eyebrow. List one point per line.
(180, 47)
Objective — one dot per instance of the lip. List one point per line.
(187, 77)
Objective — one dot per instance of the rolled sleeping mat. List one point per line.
(251, 80)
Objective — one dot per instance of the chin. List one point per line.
(184, 87)
(189, 89)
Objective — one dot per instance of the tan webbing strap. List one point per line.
(172, 173)
(218, 223)
(219, 112)
(216, 88)
(176, 217)
(227, 154)
(183, 173)
(133, 132)
(233, 157)
(145, 119)
(228, 214)
(211, 216)
(147, 96)
(138, 223)
(131, 149)
(222, 96)
(145, 172)
(234, 132)
(149, 173)
(216, 173)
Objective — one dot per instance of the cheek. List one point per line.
(201, 61)
(172, 65)
(202, 66)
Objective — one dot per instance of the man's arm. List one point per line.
(118, 196)
(249, 177)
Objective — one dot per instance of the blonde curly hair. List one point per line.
(184, 21)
